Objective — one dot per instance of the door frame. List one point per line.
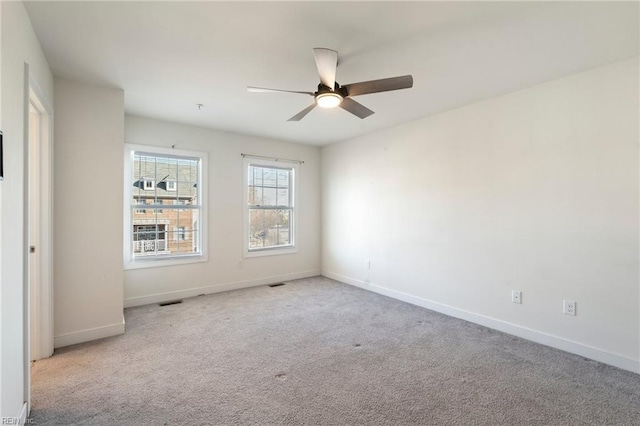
(43, 302)
(38, 304)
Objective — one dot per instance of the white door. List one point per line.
(40, 297)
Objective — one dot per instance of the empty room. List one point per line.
(320, 213)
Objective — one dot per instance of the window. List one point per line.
(169, 183)
(270, 208)
(140, 211)
(180, 233)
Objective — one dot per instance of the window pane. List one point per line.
(188, 179)
(277, 221)
(195, 221)
(284, 236)
(137, 177)
(147, 166)
(157, 230)
(256, 230)
(167, 175)
(284, 227)
(255, 176)
(269, 177)
(269, 196)
(283, 178)
(255, 196)
(283, 197)
(186, 242)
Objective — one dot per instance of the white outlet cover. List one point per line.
(516, 296)
(569, 307)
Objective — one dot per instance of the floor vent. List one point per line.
(173, 302)
(276, 285)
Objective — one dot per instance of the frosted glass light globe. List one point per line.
(328, 100)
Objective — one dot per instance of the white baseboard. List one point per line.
(88, 335)
(192, 292)
(503, 326)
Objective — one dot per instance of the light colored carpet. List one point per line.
(319, 352)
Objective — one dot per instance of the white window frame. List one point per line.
(278, 250)
(151, 184)
(171, 186)
(151, 261)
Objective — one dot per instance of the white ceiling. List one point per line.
(169, 56)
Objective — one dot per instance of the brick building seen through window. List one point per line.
(165, 209)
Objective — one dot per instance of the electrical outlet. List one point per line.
(569, 307)
(516, 296)
(367, 264)
(240, 264)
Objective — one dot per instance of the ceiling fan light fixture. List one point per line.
(328, 100)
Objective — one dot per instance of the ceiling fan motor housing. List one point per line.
(337, 89)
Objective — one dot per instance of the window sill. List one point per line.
(158, 263)
(270, 252)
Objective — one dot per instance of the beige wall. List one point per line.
(535, 191)
(226, 269)
(89, 135)
(19, 47)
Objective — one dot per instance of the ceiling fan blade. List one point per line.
(299, 116)
(376, 86)
(355, 108)
(326, 62)
(264, 90)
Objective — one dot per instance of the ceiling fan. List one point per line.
(330, 94)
